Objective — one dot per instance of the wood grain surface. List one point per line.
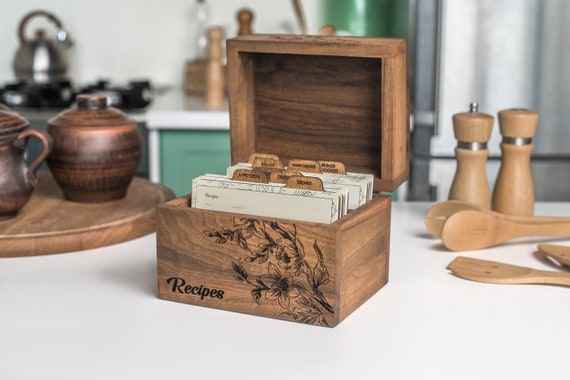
(321, 98)
(304, 272)
(48, 224)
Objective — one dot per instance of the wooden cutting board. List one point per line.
(49, 224)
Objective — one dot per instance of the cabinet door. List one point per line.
(189, 154)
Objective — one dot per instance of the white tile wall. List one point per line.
(127, 39)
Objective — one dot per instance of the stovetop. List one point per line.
(59, 95)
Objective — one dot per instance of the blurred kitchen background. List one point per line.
(500, 53)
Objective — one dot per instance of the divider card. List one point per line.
(219, 193)
(359, 185)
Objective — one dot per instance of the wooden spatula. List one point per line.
(501, 273)
(559, 253)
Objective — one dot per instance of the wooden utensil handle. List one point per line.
(245, 19)
(215, 73)
(555, 278)
(521, 229)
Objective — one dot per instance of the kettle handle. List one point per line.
(47, 144)
(29, 16)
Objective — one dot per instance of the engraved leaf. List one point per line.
(262, 284)
(288, 234)
(242, 243)
(240, 270)
(256, 294)
(258, 229)
(321, 277)
(321, 273)
(263, 258)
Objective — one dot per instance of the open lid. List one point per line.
(321, 98)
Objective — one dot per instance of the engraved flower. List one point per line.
(281, 287)
(250, 227)
(263, 250)
(290, 256)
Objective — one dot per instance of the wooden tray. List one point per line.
(49, 224)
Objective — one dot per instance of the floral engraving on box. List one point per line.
(289, 279)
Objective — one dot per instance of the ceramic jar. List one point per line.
(96, 151)
(17, 180)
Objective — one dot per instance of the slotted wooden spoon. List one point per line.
(501, 273)
(558, 252)
(438, 214)
(475, 229)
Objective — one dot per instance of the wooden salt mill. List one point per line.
(514, 188)
(215, 74)
(472, 130)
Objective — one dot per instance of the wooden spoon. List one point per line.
(501, 273)
(438, 214)
(475, 229)
(441, 211)
(558, 252)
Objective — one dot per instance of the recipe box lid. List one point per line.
(321, 98)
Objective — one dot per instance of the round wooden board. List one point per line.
(49, 224)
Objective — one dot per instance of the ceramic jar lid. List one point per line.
(11, 122)
(91, 111)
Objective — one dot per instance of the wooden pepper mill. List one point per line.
(514, 188)
(215, 96)
(472, 130)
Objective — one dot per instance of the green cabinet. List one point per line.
(186, 154)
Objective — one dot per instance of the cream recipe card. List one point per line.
(220, 193)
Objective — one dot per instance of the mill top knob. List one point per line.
(473, 126)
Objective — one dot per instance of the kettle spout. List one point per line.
(64, 38)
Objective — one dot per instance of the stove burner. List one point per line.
(137, 94)
(32, 95)
(59, 95)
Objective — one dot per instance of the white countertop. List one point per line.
(174, 110)
(95, 315)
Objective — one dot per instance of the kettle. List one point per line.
(41, 60)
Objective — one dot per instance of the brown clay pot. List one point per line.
(17, 180)
(96, 151)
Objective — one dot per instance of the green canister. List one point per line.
(380, 18)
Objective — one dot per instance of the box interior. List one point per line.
(321, 98)
(319, 107)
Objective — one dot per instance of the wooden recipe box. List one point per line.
(311, 97)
